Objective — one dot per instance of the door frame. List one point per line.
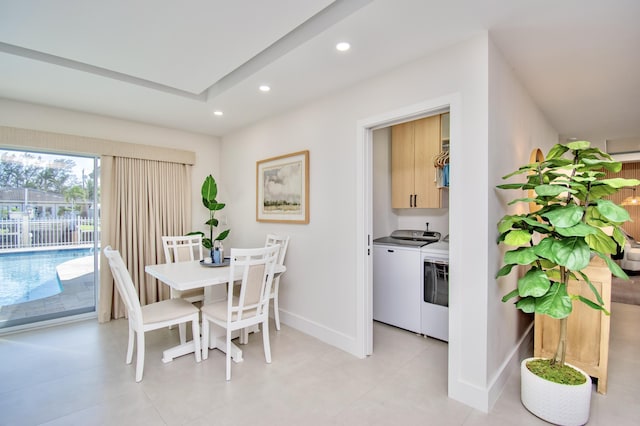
(364, 220)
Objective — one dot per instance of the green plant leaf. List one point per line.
(587, 178)
(510, 295)
(527, 304)
(613, 266)
(592, 287)
(553, 273)
(209, 189)
(618, 237)
(505, 270)
(213, 205)
(601, 242)
(612, 211)
(556, 303)
(573, 253)
(578, 145)
(594, 218)
(520, 256)
(505, 223)
(522, 200)
(612, 166)
(534, 283)
(578, 230)
(598, 191)
(592, 304)
(524, 169)
(552, 190)
(556, 151)
(511, 186)
(536, 224)
(564, 216)
(620, 182)
(207, 243)
(222, 235)
(544, 249)
(517, 238)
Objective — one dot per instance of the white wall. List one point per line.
(516, 127)
(318, 292)
(37, 117)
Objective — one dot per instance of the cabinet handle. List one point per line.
(410, 200)
(415, 200)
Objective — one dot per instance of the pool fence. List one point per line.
(24, 232)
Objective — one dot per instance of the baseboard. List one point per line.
(320, 332)
(510, 366)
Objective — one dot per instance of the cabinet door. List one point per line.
(402, 165)
(427, 146)
(397, 287)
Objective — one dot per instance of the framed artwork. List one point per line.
(282, 188)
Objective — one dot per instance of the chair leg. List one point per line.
(196, 337)
(140, 356)
(175, 294)
(276, 311)
(182, 330)
(244, 336)
(205, 338)
(265, 340)
(130, 344)
(276, 306)
(228, 354)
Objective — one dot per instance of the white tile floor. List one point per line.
(75, 375)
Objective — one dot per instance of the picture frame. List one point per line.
(282, 188)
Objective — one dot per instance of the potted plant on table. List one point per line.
(209, 193)
(572, 223)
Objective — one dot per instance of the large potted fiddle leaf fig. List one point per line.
(573, 222)
(209, 192)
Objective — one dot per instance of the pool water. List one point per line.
(28, 276)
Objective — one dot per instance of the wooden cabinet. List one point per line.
(587, 328)
(413, 176)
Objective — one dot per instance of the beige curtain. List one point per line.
(142, 200)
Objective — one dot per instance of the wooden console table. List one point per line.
(587, 328)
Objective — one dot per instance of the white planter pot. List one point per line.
(566, 405)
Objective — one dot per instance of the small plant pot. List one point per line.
(565, 405)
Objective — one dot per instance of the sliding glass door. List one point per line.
(49, 237)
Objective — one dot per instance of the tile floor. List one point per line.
(75, 374)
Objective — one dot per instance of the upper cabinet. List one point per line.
(415, 180)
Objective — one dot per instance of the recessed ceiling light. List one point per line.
(343, 46)
(217, 113)
(264, 88)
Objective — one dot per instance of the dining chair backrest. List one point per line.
(283, 241)
(257, 266)
(182, 248)
(125, 286)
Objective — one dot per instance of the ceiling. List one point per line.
(173, 63)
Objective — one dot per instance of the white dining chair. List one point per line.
(149, 317)
(283, 241)
(183, 248)
(251, 306)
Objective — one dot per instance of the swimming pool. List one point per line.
(28, 276)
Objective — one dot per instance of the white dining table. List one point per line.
(187, 276)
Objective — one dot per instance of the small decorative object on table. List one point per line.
(217, 252)
(209, 194)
